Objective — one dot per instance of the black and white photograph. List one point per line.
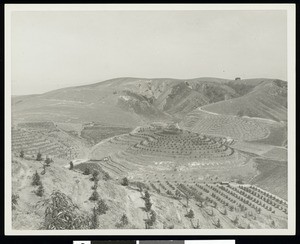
(150, 119)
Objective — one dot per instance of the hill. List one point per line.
(136, 101)
(267, 100)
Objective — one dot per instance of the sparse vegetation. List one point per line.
(39, 157)
(124, 182)
(36, 180)
(62, 214)
(40, 191)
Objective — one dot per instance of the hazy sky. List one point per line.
(51, 50)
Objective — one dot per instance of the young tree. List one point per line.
(86, 171)
(71, 165)
(95, 175)
(146, 195)
(218, 224)
(36, 180)
(94, 196)
(95, 186)
(190, 214)
(124, 220)
(124, 182)
(47, 161)
(236, 220)
(102, 207)
(94, 219)
(22, 154)
(40, 191)
(39, 157)
(148, 205)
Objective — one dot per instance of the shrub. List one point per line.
(124, 220)
(94, 196)
(86, 171)
(36, 180)
(40, 191)
(39, 157)
(124, 182)
(146, 195)
(102, 207)
(95, 175)
(62, 214)
(22, 154)
(71, 165)
(94, 219)
(148, 205)
(190, 214)
(48, 161)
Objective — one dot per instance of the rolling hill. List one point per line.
(136, 101)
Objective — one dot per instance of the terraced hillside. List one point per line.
(171, 152)
(200, 121)
(267, 100)
(45, 138)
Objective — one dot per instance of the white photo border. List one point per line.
(291, 71)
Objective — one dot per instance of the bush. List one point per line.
(124, 182)
(94, 196)
(36, 180)
(146, 195)
(148, 205)
(94, 220)
(71, 165)
(22, 154)
(95, 175)
(124, 220)
(102, 207)
(62, 214)
(86, 171)
(39, 157)
(40, 191)
(48, 161)
(190, 214)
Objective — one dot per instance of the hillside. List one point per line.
(136, 101)
(267, 100)
(210, 153)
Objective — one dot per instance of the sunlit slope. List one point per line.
(267, 100)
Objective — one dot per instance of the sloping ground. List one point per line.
(272, 177)
(30, 210)
(267, 100)
(205, 122)
(136, 101)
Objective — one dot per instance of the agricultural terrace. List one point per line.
(228, 200)
(42, 137)
(154, 150)
(225, 125)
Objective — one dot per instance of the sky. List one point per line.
(52, 50)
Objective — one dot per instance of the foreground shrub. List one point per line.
(62, 214)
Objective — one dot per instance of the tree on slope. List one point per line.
(39, 157)
(36, 180)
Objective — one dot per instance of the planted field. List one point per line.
(227, 201)
(48, 143)
(225, 125)
(97, 132)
